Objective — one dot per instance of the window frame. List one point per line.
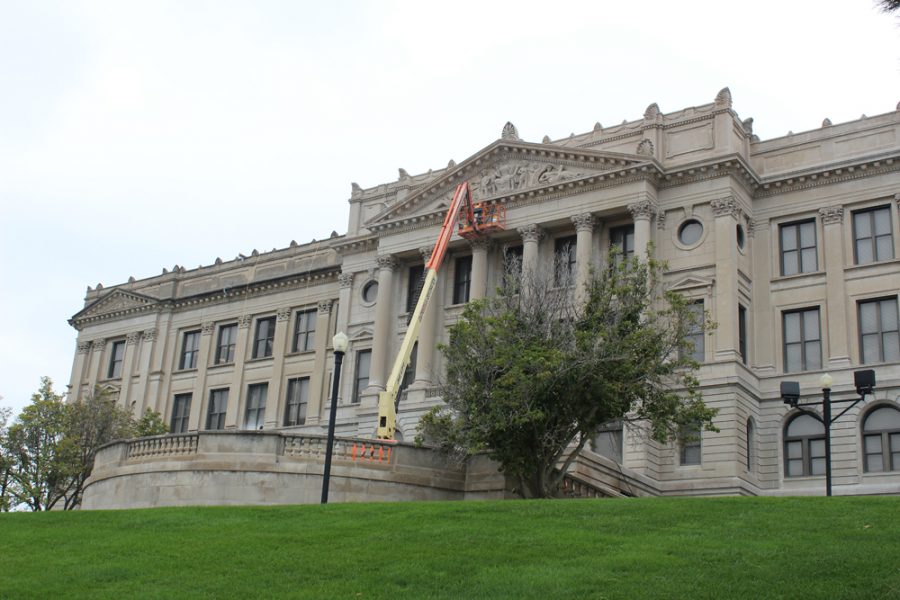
(296, 384)
(803, 342)
(624, 253)
(805, 440)
(268, 342)
(180, 420)
(873, 237)
(217, 408)
(565, 257)
(305, 317)
(799, 248)
(462, 279)
(695, 433)
(257, 396)
(415, 279)
(889, 439)
(229, 347)
(697, 333)
(882, 346)
(189, 357)
(742, 333)
(116, 360)
(357, 380)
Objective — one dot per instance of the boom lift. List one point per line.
(475, 221)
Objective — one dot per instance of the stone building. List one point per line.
(792, 244)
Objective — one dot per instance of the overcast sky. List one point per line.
(139, 135)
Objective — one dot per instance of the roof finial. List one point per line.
(509, 132)
(723, 98)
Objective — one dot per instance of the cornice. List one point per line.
(836, 173)
(356, 245)
(641, 125)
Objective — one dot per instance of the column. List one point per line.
(318, 388)
(836, 306)
(384, 311)
(81, 358)
(478, 288)
(430, 327)
(584, 248)
(234, 392)
(126, 399)
(531, 236)
(642, 212)
(726, 213)
(761, 337)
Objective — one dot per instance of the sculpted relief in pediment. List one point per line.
(519, 175)
(116, 302)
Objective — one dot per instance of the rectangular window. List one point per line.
(225, 344)
(742, 333)
(872, 237)
(802, 340)
(304, 331)
(255, 415)
(363, 363)
(181, 413)
(798, 248)
(297, 401)
(695, 334)
(264, 338)
(218, 404)
(879, 333)
(564, 267)
(622, 239)
(690, 445)
(462, 279)
(414, 286)
(116, 357)
(190, 349)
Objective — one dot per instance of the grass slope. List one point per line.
(634, 548)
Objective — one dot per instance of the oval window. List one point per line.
(370, 292)
(740, 237)
(690, 232)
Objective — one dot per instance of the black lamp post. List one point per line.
(790, 394)
(339, 343)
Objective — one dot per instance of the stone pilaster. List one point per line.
(344, 301)
(274, 395)
(836, 317)
(584, 229)
(384, 310)
(82, 358)
(235, 391)
(726, 213)
(318, 381)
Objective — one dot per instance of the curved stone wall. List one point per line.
(260, 467)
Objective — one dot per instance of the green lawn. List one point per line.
(634, 548)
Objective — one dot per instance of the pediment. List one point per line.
(691, 282)
(504, 169)
(116, 302)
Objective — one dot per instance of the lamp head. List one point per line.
(865, 381)
(826, 381)
(790, 392)
(340, 342)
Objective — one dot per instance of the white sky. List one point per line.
(139, 135)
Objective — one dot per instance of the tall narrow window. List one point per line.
(872, 237)
(264, 338)
(116, 357)
(462, 279)
(304, 331)
(622, 239)
(181, 413)
(879, 333)
(564, 254)
(751, 440)
(695, 335)
(690, 445)
(881, 440)
(798, 248)
(414, 286)
(804, 447)
(225, 344)
(297, 401)
(363, 363)
(190, 349)
(802, 340)
(218, 405)
(742, 333)
(255, 415)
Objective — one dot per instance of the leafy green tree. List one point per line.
(534, 371)
(888, 6)
(5, 462)
(151, 423)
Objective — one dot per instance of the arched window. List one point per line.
(804, 446)
(881, 440)
(751, 434)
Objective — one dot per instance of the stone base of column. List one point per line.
(728, 355)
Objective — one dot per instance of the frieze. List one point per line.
(584, 222)
(519, 175)
(832, 215)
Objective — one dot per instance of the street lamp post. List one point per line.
(790, 394)
(339, 343)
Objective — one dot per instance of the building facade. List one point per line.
(792, 244)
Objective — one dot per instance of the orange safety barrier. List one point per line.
(371, 452)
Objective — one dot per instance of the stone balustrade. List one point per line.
(161, 446)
